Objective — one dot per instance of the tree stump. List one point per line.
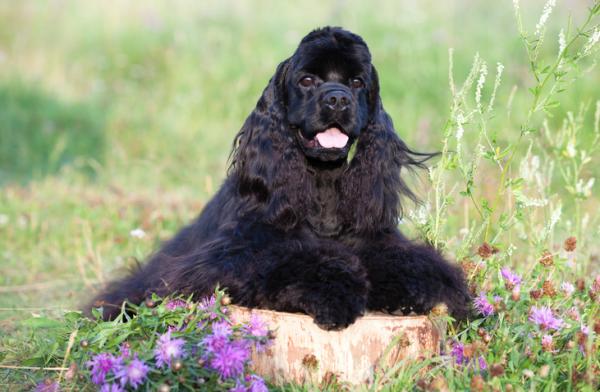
(302, 352)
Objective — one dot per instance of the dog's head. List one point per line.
(321, 101)
(327, 87)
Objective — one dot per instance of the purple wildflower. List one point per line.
(239, 387)
(208, 305)
(133, 373)
(100, 365)
(483, 306)
(111, 388)
(544, 318)
(585, 329)
(168, 349)
(125, 350)
(47, 385)
(219, 337)
(458, 352)
(510, 278)
(229, 360)
(176, 304)
(257, 384)
(256, 327)
(482, 363)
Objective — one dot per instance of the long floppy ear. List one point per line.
(372, 186)
(267, 168)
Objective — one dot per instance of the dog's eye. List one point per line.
(307, 81)
(356, 83)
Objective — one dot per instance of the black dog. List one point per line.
(297, 226)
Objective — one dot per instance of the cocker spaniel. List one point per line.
(301, 224)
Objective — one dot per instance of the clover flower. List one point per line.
(239, 387)
(567, 288)
(133, 373)
(229, 361)
(547, 342)
(101, 365)
(168, 349)
(483, 306)
(510, 278)
(544, 318)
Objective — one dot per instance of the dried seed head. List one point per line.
(580, 284)
(515, 294)
(225, 300)
(164, 388)
(497, 369)
(570, 244)
(481, 332)
(177, 365)
(439, 383)
(477, 383)
(535, 294)
(485, 250)
(440, 309)
(84, 343)
(544, 371)
(310, 362)
(597, 326)
(571, 345)
(149, 303)
(487, 338)
(547, 259)
(548, 289)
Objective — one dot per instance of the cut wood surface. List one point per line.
(302, 352)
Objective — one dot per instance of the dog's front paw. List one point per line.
(336, 313)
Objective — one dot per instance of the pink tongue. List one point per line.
(332, 138)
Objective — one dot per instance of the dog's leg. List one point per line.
(412, 277)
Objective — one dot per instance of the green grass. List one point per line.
(114, 118)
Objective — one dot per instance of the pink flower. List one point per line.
(168, 349)
(175, 304)
(256, 327)
(133, 373)
(544, 318)
(483, 306)
(101, 364)
(510, 278)
(111, 388)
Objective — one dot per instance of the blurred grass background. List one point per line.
(117, 115)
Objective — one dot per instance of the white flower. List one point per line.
(482, 75)
(421, 215)
(562, 42)
(3, 219)
(593, 40)
(571, 150)
(137, 233)
(567, 288)
(585, 189)
(460, 120)
(544, 17)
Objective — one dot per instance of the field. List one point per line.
(117, 118)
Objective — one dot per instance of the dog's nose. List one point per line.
(337, 100)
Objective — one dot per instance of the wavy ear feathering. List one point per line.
(373, 180)
(267, 167)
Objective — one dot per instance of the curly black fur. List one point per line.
(299, 227)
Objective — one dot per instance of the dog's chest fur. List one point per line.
(323, 216)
